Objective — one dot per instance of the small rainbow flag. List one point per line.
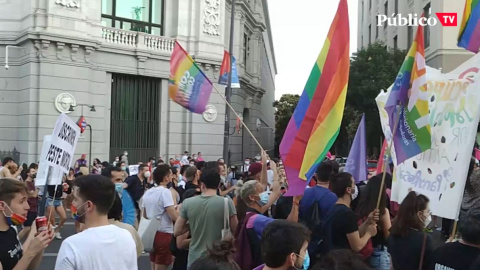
(469, 35)
(408, 104)
(188, 85)
(315, 123)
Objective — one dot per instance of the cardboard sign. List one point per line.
(61, 147)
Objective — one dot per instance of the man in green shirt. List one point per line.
(205, 216)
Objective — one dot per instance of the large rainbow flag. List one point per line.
(188, 85)
(469, 36)
(316, 121)
(407, 104)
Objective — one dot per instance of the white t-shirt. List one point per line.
(155, 200)
(101, 248)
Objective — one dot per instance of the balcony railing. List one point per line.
(137, 39)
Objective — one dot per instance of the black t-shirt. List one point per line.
(405, 251)
(454, 256)
(10, 249)
(342, 221)
(136, 188)
(52, 194)
(475, 264)
(191, 185)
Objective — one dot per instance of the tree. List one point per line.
(371, 69)
(284, 109)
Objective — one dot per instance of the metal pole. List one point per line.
(228, 90)
(90, 147)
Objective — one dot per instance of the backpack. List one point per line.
(315, 223)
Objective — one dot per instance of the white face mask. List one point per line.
(147, 174)
(427, 220)
(355, 194)
(247, 162)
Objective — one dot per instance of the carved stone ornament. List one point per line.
(63, 102)
(211, 17)
(210, 113)
(74, 51)
(60, 46)
(68, 3)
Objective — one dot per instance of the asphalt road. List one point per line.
(50, 255)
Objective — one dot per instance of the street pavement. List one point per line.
(50, 255)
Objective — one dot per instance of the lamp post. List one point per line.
(92, 109)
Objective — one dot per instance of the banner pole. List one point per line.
(385, 163)
(43, 201)
(454, 231)
(238, 117)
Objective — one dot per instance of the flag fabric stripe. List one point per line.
(188, 85)
(469, 34)
(317, 111)
(408, 102)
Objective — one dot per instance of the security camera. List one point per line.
(7, 67)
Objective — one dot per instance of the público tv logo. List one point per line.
(446, 19)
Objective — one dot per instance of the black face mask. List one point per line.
(33, 176)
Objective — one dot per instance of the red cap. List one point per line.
(254, 169)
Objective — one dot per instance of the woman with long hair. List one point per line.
(377, 255)
(408, 244)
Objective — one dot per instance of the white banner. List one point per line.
(133, 169)
(63, 143)
(42, 172)
(440, 173)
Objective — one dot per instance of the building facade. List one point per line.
(441, 49)
(114, 55)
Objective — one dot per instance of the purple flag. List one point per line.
(357, 158)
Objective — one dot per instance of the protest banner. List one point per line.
(133, 169)
(42, 172)
(61, 147)
(440, 172)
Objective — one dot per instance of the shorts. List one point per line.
(31, 216)
(161, 249)
(55, 203)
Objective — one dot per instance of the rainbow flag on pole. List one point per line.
(315, 123)
(408, 102)
(188, 85)
(469, 35)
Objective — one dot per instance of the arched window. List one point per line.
(134, 15)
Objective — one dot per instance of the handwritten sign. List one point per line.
(62, 144)
(133, 169)
(56, 176)
(440, 173)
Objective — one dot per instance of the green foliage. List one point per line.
(371, 69)
(284, 109)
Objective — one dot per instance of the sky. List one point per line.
(299, 31)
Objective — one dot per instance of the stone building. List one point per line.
(109, 61)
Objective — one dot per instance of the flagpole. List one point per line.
(238, 117)
(385, 162)
(228, 91)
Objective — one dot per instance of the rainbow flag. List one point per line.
(315, 123)
(408, 104)
(188, 85)
(469, 35)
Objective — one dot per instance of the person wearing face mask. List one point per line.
(117, 159)
(159, 203)
(128, 207)
(136, 184)
(13, 212)
(32, 203)
(284, 246)
(246, 166)
(341, 228)
(376, 251)
(408, 241)
(205, 215)
(249, 233)
(100, 245)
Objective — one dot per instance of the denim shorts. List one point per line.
(55, 203)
